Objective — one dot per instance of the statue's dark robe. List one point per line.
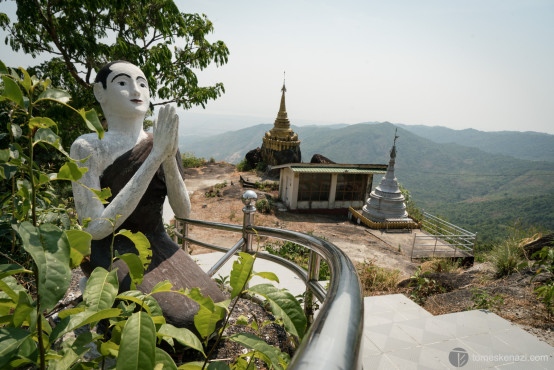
(169, 261)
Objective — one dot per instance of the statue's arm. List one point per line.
(88, 206)
(176, 190)
(128, 198)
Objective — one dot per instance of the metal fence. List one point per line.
(442, 239)
(334, 338)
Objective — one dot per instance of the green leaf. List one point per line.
(181, 335)
(103, 194)
(138, 297)
(4, 155)
(71, 311)
(45, 135)
(136, 269)
(283, 306)
(165, 360)
(72, 350)
(6, 289)
(27, 353)
(109, 348)
(101, 290)
(3, 69)
(141, 244)
(203, 301)
(138, 343)
(79, 241)
(23, 310)
(12, 91)
(162, 286)
(242, 320)
(49, 247)
(240, 274)
(41, 122)
(71, 171)
(26, 82)
(57, 95)
(267, 275)
(208, 315)
(194, 365)
(73, 322)
(253, 342)
(8, 270)
(7, 171)
(11, 339)
(218, 365)
(91, 120)
(205, 321)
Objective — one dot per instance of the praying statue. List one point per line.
(141, 169)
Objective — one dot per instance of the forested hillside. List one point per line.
(535, 146)
(477, 190)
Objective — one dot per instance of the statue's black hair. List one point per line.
(103, 73)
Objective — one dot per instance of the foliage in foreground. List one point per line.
(135, 319)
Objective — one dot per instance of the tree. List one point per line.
(83, 35)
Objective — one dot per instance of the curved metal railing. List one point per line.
(333, 340)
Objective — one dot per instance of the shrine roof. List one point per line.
(334, 168)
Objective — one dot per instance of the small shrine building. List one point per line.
(318, 187)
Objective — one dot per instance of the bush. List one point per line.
(439, 265)
(261, 166)
(264, 205)
(507, 257)
(191, 161)
(243, 166)
(376, 279)
(422, 286)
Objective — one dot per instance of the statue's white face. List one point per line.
(126, 91)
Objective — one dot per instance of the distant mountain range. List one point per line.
(441, 172)
(535, 146)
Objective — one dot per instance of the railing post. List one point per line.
(249, 200)
(413, 247)
(314, 262)
(185, 233)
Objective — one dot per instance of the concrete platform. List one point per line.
(399, 334)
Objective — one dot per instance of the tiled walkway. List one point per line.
(399, 334)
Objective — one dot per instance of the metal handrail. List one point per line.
(333, 340)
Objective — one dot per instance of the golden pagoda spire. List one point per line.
(282, 108)
(281, 128)
(281, 138)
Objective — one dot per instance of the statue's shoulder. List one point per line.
(85, 145)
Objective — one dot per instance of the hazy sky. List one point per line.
(485, 64)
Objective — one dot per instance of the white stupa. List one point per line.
(386, 203)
